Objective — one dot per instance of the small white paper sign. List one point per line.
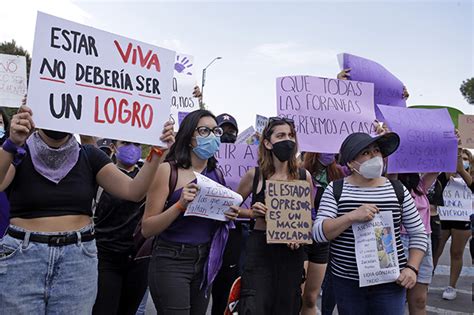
(212, 200)
(457, 201)
(12, 80)
(260, 123)
(244, 135)
(376, 250)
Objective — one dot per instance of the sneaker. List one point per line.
(449, 293)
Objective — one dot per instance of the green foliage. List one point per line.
(467, 90)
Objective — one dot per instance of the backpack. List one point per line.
(144, 246)
(396, 184)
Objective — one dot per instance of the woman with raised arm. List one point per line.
(48, 258)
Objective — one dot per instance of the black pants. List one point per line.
(228, 272)
(435, 232)
(272, 277)
(175, 276)
(122, 283)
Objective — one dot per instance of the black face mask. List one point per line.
(283, 150)
(56, 135)
(228, 138)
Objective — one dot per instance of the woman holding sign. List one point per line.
(48, 259)
(458, 229)
(272, 276)
(188, 250)
(354, 214)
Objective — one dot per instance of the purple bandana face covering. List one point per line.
(53, 164)
(129, 154)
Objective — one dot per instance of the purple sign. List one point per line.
(181, 116)
(235, 160)
(325, 111)
(388, 89)
(427, 140)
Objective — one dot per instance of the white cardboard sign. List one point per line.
(12, 80)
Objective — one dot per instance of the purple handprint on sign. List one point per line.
(183, 65)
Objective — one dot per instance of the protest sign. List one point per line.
(260, 123)
(325, 111)
(376, 250)
(466, 131)
(212, 200)
(427, 140)
(388, 89)
(12, 80)
(182, 99)
(245, 135)
(457, 201)
(289, 212)
(87, 81)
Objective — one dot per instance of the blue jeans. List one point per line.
(38, 279)
(386, 299)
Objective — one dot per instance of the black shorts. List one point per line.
(457, 225)
(317, 253)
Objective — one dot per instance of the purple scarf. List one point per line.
(53, 164)
(216, 253)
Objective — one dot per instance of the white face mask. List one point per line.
(371, 168)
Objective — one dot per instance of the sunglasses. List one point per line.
(289, 121)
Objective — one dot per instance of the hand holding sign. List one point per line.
(188, 194)
(21, 125)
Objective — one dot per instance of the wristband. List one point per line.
(154, 151)
(180, 206)
(18, 152)
(412, 268)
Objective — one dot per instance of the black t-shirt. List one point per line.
(115, 221)
(33, 196)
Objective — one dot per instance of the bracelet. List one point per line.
(412, 268)
(18, 152)
(180, 206)
(154, 151)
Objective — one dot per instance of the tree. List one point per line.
(467, 90)
(11, 48)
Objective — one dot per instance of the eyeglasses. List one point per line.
(283, 119)
(204, 131)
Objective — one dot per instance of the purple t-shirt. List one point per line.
(190, 229)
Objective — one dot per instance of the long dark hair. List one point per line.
(6, 124)
(411, 182)
(265, 159)
(180, 151)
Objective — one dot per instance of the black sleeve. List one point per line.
(443, 180)
(97, 159)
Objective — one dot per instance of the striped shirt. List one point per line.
(343, 257)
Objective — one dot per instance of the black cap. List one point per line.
(223, 119)
(104, 142)
(357, 142)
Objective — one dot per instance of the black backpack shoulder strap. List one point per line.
(256, 178)
(302, 173)
(399, 191)
(173, 180)
(337, 186)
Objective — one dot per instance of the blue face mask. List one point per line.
(207, 146)
(2, 132)
(466, 164)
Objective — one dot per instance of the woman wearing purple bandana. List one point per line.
(48, 258)
(188, 250)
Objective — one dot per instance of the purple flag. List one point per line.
(427, 140)
(388, 89)
(325, 111)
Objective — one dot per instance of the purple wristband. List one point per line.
(18, 152)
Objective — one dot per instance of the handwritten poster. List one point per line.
(184, 81)
(376, 250)
(427, 140)
(466, 131)
(260, 123)
(243, 136)
(87, 81)
(457, 201)
(289, 212)
(12, 80)
(325, 110)
(212, 200)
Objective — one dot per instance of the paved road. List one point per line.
(436, 305)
